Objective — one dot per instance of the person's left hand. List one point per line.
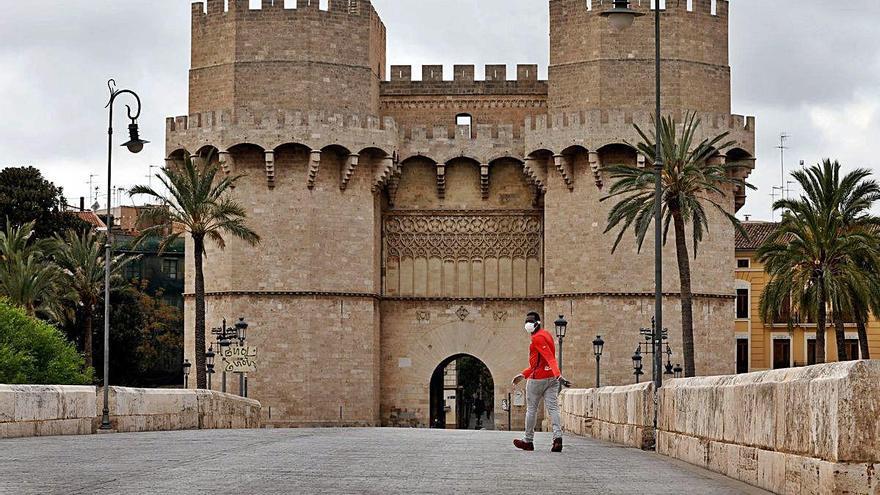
(562, 381)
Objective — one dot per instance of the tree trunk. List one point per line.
(198, 251)
(840, 336)
(863, 339)
(687, 311)
(820, 325)
(88, 344)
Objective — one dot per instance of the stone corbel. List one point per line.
(351, 163)
(394, 185)
(441, 180)
(563, 165)
(314, 166)
(536, 174)
(384, 173)
(596, 168)
(270, 169)
(484, 180)
(225, 160)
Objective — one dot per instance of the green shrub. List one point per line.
(34, 352)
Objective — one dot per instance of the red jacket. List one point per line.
(542, 357)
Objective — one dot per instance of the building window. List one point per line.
(169, 268)
(464, 124)
(851, 346)
(742, 356)
(742, 304)
(743, 263)
(811, 352)
(781, 353)
(132, 270)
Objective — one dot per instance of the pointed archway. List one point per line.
(462, 394)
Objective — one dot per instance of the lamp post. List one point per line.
(209, 364)
(561, 326)
(241, 329)
(677, 371)
(186, 367)
(224, 337)
(637, 363)
(598, 345)
(135, 144)
(621, 17)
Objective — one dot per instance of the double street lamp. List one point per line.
(225, 336)
(622, 16)
(135, 145)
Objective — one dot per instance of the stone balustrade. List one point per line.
(42, 410)
(797, 431)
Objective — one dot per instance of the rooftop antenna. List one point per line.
(150, 176)
(788, 184)
(91, 184)
(782, 147)
(773, 196)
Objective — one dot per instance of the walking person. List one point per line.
(542, 381)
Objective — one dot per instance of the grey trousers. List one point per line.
(548, 389)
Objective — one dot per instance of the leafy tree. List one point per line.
(25, 196)
(825, 251)
(26, 278)
(198, 200)
(146, 339)
(34, 352)
(690, 179)
(80, 257)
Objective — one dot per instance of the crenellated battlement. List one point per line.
(718, 8)
(224, 119)
(464, 81)
(596, 118)
(207, 10)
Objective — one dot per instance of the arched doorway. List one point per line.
(462, 394)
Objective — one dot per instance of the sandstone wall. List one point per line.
(812, 430)
(795, 431)
(140, 409)
(44, 410)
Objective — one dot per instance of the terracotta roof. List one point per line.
(89, 217)
(758, 233)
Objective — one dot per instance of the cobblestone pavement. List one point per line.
(340, 461)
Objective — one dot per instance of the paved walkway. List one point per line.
(340, 461)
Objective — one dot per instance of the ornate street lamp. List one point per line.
(677, 371)
(669, 368)
(637, 364)
(209, 364)
(621, 16)
(135, 145)
(241, 330)
(598, 346)
(186, 366)
(561, 326)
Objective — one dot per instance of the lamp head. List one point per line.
(561, 326)
(135, 144)
(186, 366)
(598, 345)
(621, 16)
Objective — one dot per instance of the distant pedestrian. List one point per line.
(543, 380)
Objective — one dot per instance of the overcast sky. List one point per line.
(809, 68)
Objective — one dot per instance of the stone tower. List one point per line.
(595, 67)
(408, 222)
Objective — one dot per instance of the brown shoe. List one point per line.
(557, 445)
(522, 444)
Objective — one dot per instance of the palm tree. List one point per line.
(80, 256)
(825, 250)
(689, 180)
(26, 278)
(198, 200)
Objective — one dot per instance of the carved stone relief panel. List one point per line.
(463, 253)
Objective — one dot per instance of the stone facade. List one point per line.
(408, 221)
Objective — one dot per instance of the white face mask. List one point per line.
(530, 327)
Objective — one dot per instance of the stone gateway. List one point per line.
(408, 221)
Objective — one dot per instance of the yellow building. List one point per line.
(761, 346)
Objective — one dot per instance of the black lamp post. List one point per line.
(135, 144)
(241, 329)
(186, 367)
(225, 335)
(598, 346)
(637, 364)
(677, 371)
(621, 17)
(561, 326)
(209, 364)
